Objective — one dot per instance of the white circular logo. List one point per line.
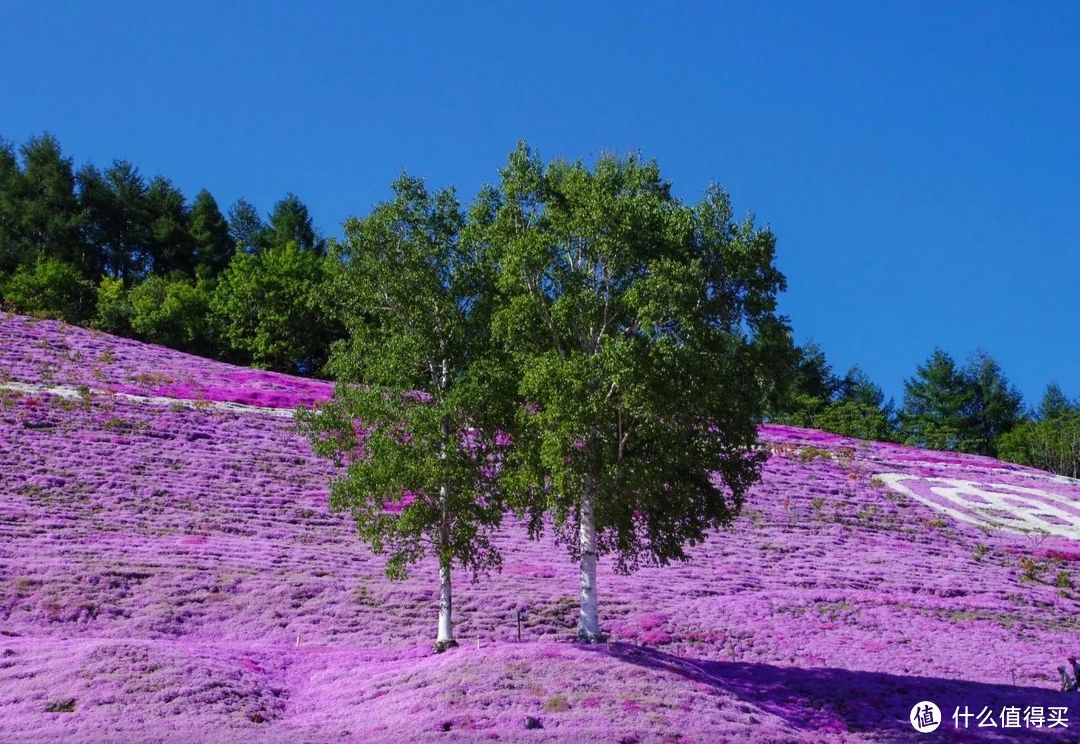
(925, 717)
(1023, 509)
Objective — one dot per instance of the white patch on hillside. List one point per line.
(1026, 472)
(1003, 506)
(65, 391)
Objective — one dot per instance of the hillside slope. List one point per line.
(169, 572)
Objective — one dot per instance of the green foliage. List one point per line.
(118, 219)
(173, 312)
(154, 260)
(937, 402)
(411, 490)
(12, 250)
(209, 234)
(1055, 405)
(1051, 444)
(421, 477)
(50, 288)
(998, 406)
(814, 377)
(291, 223)
(39, 212)
(858, 420)
(171, 248)
(949, 408)
(49, 214)
(246, 228)
(114, 309)
(631, 319)
(271, 310)
(814, 397)
(62, 233)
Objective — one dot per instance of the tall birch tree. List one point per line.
(641, 331)
(414, 418)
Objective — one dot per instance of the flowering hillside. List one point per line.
(169, 572)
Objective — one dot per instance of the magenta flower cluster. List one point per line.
(172, 573)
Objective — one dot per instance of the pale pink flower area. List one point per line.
(173, 574)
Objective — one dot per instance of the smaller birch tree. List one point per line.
(414, 416)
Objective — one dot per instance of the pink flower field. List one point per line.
(169, 571)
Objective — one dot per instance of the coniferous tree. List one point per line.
(209, 233)
(1054, 404)
(171, 248)
(246, 228)
(938, 402)
(291, 223)
(807, 388)
(118, 219)
(858, 409)
(997, 406)
(12, 249)
(952, 408)
(50, 213)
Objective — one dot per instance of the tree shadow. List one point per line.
(820, 700)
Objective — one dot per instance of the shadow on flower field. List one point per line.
(834, 701)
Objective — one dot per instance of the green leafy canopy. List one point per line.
(419, 436)
(632, 321)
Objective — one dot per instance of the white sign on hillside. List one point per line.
(1021, 509)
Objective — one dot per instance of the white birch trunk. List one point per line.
(446, 638)
(588, 622)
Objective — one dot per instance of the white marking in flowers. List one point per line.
(962, 466)
(999, 505)
(66, 391)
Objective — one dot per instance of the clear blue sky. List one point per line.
(919, 162)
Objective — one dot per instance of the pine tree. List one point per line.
(1055, 405)
(171, 248)
(246, 228)
(210, 234)
(291, 223)
(117, 219)
(997, 406)
(50, 210)
(938, 402)
(13, 251)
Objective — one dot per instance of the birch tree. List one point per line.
(414, 416)
(639, 329)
